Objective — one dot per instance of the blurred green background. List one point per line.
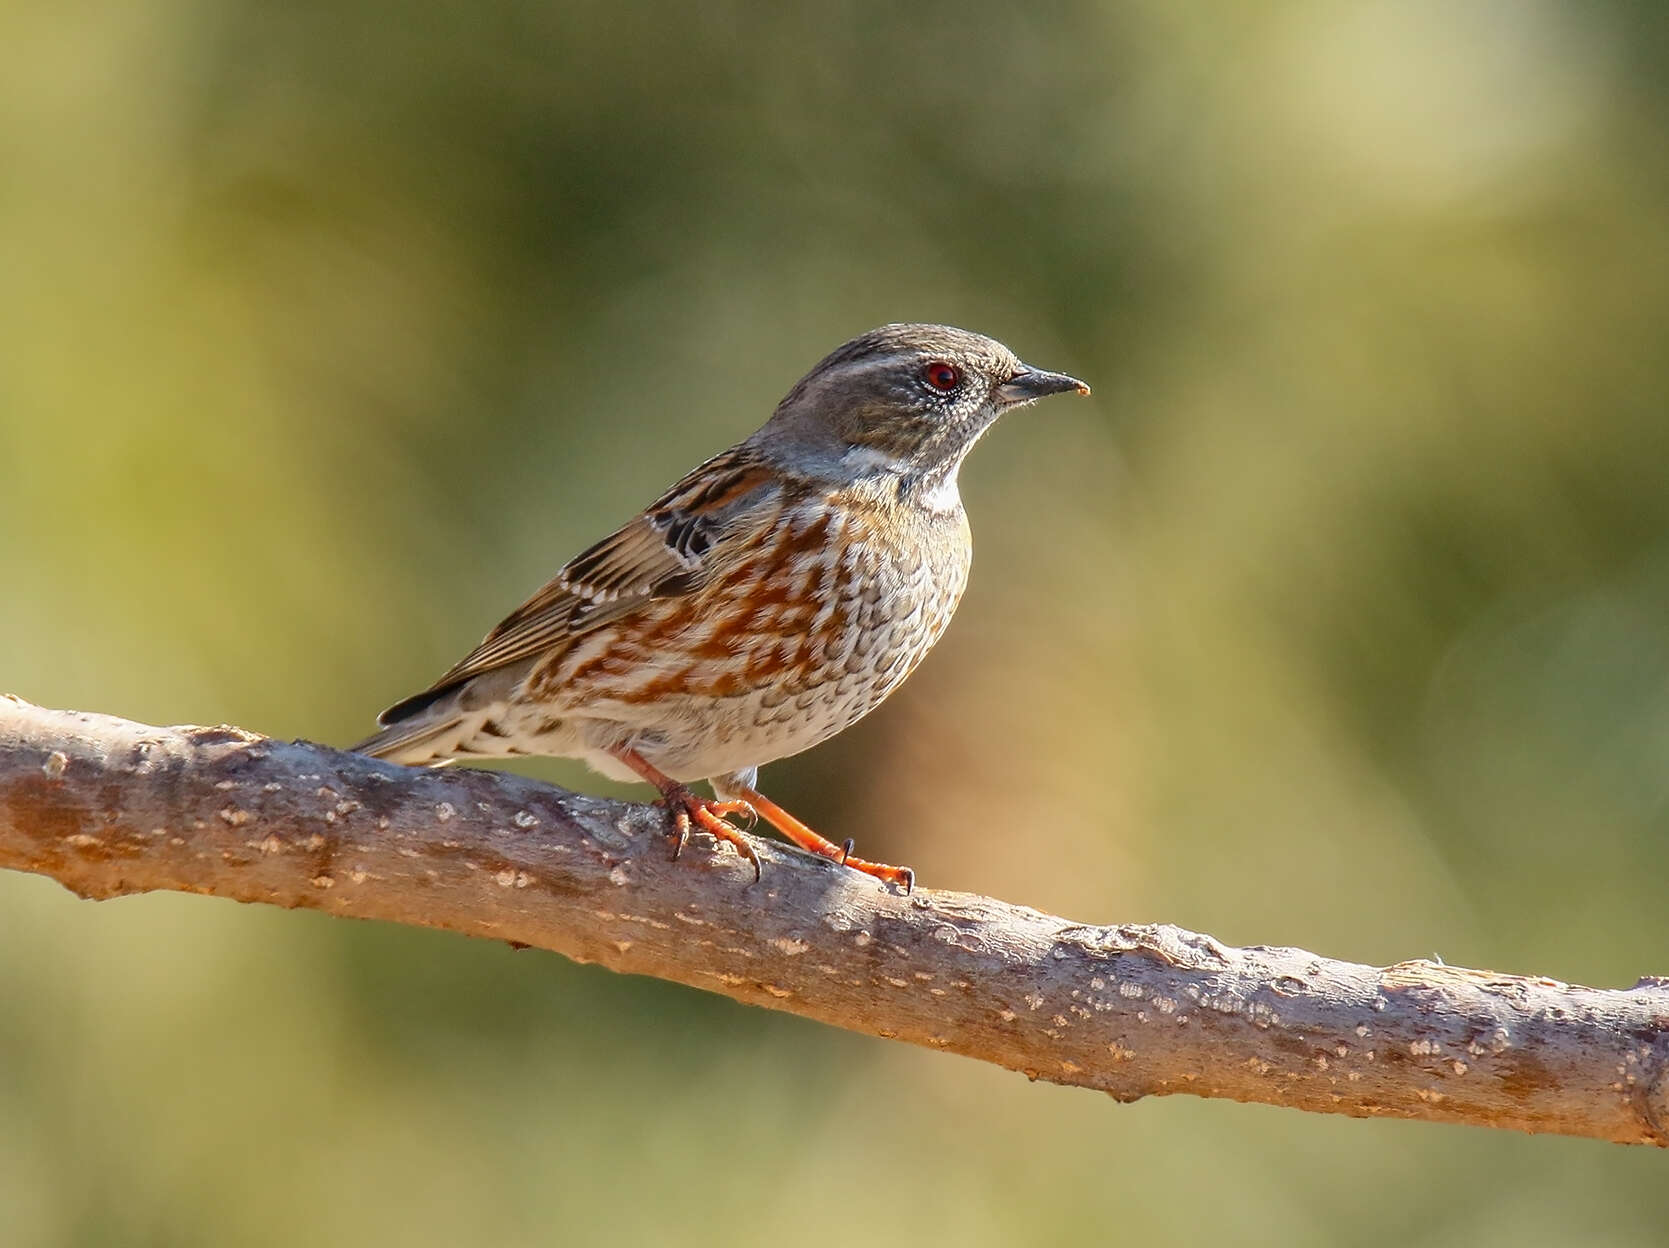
(1339, 617)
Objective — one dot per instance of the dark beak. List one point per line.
(1034, 383)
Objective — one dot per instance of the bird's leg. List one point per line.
(811, 842)
(686, 806)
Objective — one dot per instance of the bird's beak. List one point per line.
(1034, 383)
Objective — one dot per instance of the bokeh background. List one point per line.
(1338, 617)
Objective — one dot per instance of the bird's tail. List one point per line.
(432, 729)
(418, 742)
(462, 720)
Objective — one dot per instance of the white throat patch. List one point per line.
(942, 495)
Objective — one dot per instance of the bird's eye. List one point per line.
(942, 375)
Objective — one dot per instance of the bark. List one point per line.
(108, 807)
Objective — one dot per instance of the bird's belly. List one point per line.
(737, 689)
(692, 737)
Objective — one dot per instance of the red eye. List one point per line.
(942, 376)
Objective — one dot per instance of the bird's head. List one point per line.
(904, 400)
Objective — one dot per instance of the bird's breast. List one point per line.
(808, 624)
(868, 591)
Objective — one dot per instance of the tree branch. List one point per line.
(108, 807)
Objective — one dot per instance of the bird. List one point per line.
(770, 599)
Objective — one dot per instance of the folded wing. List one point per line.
(667, 551)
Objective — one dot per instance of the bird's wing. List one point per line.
(666, 551)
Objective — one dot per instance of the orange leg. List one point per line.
(811, 842)
(685, 806)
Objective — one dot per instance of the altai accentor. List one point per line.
(773, 597)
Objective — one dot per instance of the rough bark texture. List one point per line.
(108, 807)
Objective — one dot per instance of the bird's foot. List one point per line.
(904, 877)
(689, 808)
(812, 843)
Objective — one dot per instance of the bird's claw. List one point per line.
(689, 808)
(680, 832)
